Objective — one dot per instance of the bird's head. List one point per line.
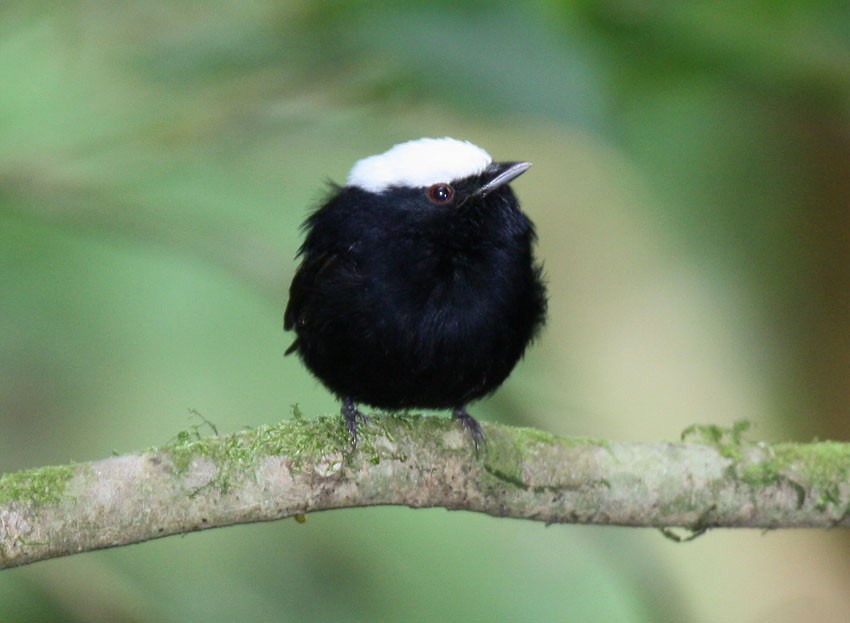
(442, 172)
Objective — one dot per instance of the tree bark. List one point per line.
(298, 467)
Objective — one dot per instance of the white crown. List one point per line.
(419, 163)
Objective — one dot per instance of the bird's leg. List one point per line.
(352, 416)
(469, 423)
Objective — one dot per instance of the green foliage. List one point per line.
(727, 439)
(238, 453)
(37, 486)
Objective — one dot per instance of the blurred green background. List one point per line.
(691, 190)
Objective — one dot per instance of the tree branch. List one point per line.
(302, 466)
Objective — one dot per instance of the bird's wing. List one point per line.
(303, 288)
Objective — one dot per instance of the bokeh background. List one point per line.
(690, 188)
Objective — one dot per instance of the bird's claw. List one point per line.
(353, 416)
(471, 424)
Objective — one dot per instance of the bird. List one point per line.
(418, 286)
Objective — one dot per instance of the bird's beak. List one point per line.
(500, 173)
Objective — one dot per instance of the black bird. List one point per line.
(417, 286)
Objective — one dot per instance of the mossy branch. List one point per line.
(298, 467)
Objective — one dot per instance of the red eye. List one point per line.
(440, 193)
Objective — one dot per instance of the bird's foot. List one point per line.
(353, 417)
(469, 423)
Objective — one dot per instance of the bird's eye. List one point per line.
(440, 193)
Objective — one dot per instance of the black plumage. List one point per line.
(415, 296)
